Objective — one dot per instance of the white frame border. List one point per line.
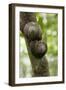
(37, 79)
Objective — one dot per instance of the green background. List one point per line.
(49, 25)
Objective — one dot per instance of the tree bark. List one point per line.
(39, 65)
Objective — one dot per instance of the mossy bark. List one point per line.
(39, 65)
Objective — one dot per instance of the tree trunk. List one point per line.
(39, 65)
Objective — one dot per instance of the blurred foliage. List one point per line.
(25, 69)
(49, 26)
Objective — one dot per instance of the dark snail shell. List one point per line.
(33, 31)
(38, 48)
